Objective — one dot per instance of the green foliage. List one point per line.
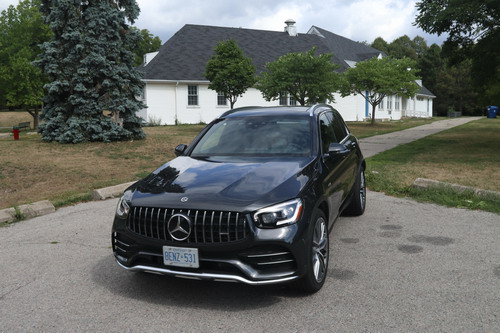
(376, 78)
(22, 30)
(455, 88)
(380, 44)
(306, 77)
(91, 70)
(403, 47)
(473, 32)
(146, 44)
(230, 71)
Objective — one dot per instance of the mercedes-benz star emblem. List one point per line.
(179, 227)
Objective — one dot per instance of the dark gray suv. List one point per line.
(252, 199)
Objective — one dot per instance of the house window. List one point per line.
(389, 102)
(283, 99)
(221, 99)
(396, 103)
(420, 99)
(381, 105)
(293, 101)
(192, 95)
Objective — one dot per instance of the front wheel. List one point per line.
(317, 255)
(358, 201)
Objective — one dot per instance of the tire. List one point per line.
(317, 255)
(358, 202)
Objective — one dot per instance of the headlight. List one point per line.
(123, 207)
(279, 215)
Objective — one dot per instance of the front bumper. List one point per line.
(264, 256)
(204, 276)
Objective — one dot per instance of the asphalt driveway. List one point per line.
(402, 267)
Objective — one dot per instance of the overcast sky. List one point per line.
(359, 20)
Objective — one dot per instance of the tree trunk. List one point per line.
(373, 114)
(36, 115)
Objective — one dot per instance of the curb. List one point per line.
(110, 192)
(430, 183)
(28, 211)
(7, 215)
(44, 207)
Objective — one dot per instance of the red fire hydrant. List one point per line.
(15, 131)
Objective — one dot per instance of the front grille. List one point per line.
(207, 226)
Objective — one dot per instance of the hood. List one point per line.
(222, 185)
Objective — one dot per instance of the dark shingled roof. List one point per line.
(346, 49)
(424, 91)
(184, 56)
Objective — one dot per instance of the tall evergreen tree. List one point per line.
(91, 71)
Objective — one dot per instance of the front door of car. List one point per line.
(338, 166)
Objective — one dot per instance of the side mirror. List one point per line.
(336, 149)
(180, 149)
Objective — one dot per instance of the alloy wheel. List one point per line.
(320, 250)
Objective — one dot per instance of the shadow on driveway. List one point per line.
(164, 290)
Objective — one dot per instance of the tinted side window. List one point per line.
(339, 127)
(327, 131)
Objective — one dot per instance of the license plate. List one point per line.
(180, 257)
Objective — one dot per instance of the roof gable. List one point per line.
(345, 50)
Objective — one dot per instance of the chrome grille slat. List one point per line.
(140, 211)
(203, 227)
(158, 223)
(208, 227)
(212, 227)
(151, 225)
(195, 231)
(165, 225)
(237, 222)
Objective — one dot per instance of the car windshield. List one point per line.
(257, 136)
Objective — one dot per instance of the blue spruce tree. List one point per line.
(93, 85)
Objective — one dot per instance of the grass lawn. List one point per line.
(10, 119)
(33, 170)
(466, 155)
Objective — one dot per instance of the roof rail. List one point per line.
(317, 106)
(238, 109)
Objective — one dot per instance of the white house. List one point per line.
(176, 89)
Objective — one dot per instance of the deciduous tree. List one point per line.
(230, 71)
(22, 30)
(473, 28)
(91, 72)
(146, 43)
(376, 78)
(307, 77)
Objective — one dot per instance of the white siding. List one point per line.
(160, 99)
(168, 102)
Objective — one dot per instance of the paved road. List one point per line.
(401, 267)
